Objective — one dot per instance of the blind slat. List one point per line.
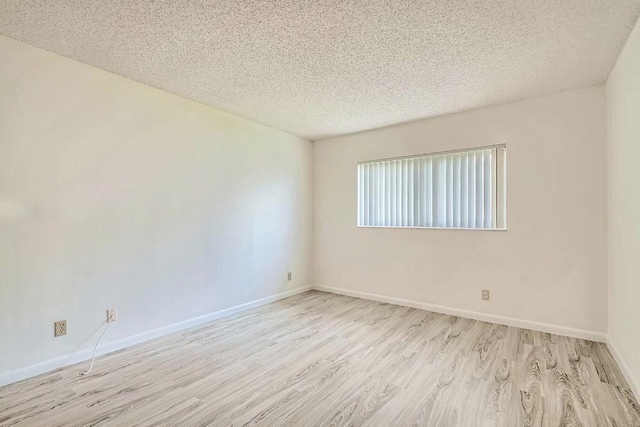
(449, 208)
(410, 192)
(488, 172)
(429, 194)
(479, 189)
(464, 190)
(472, 190)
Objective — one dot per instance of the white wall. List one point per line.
(549, 266)
(115, 194)
(623, 110)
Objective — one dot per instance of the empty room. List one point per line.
(319, 213)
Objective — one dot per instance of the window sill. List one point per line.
(431, 228)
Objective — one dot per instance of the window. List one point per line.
(454, 189)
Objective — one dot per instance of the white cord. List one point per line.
(93, 357)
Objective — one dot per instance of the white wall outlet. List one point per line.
(60, 328)
(112, 315)
(486, 295)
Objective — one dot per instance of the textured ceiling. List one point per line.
(318, 68)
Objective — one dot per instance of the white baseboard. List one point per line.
(634, 384)
(502, 320)
(108, 347)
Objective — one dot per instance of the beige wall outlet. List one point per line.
(112, 315)
(60, 328)
(486, 295)
(289, 276)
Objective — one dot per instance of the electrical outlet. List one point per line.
(289, 276)
(60, 328)
(112, 315)
(486, 296)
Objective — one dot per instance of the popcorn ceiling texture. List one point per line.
(322, 68)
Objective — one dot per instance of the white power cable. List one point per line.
(93, 357)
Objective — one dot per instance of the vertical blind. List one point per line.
(458, 189)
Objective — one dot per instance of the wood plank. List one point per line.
(325, 359)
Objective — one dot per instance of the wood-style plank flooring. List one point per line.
(322, 359)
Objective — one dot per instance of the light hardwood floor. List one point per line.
(324, 359)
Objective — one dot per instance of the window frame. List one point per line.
(499, 197)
